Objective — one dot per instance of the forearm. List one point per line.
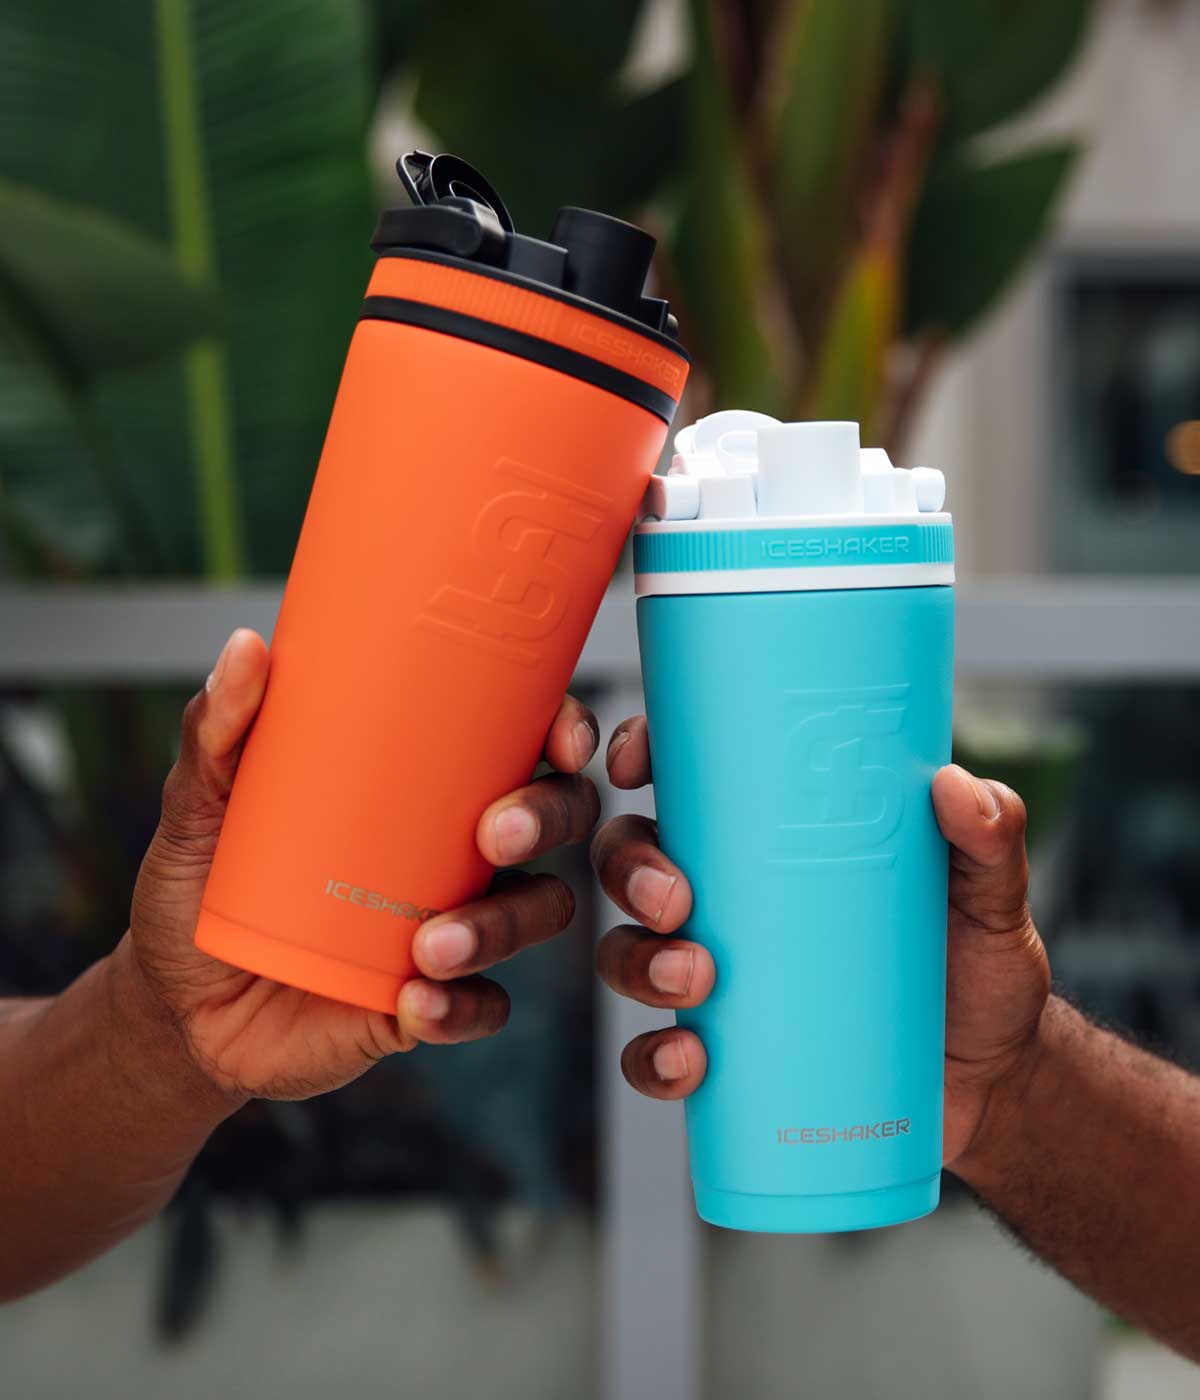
(101, 1112)
(1091, 1153)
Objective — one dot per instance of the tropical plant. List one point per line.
(832, 213)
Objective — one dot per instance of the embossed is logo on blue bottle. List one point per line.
(846, 802)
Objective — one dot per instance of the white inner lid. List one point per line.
(737, 464)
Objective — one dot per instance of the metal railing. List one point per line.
(1044, 629)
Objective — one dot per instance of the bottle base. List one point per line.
(296, 967)
(819, 1215)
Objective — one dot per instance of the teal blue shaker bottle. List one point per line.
(796, 623)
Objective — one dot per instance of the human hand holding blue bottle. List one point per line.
(998, 978)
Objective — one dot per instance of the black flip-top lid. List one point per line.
(456, 212)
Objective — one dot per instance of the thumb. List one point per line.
(215, 724)
(984, 822)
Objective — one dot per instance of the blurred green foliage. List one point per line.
(185, 201)
(817, 171)
(184, 207)
(134, 139)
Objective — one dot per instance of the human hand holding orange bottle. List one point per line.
(252, 1037)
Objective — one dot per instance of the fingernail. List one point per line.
(214, 677)
(669, 1060)
(585, 742)
(427, 1001)
(447, 946)
(516, 833)
(616, 744)
(671, 971)
(989, 808)
(649, 890)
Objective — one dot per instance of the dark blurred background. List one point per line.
(974, 226)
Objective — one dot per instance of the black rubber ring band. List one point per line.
(529, 347)
(541, 289)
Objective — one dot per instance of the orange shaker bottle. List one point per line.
(503, 404)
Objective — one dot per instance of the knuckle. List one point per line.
(555, 804)
(1013, 815)
(494, 1009)
(406, 1039)
(188, 814)
(997, 907)
(560, 902)
(1027, 929)
(620, 835)
(572, 803)
(382, 1037)
(631, 965)
(172, 796)
(587, 807)
(193, 712)
(598, 852)
(541, 906)
(582, 800)
(1010, 913)
(1014, 931)
(502, 936)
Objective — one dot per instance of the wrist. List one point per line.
(1003, 1127)
(148, 1048)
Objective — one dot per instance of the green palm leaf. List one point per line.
(831, 60)
(974, 229)
(993, 58)
(102, 295)
(280, 97)
(530, 94)
(719, 245)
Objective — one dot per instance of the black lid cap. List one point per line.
(590, 255)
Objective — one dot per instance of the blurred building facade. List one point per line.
(993, 420)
